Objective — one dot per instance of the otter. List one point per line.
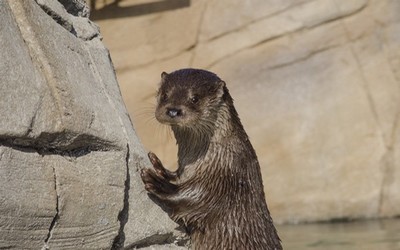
(216, 193)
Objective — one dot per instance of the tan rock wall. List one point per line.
(316, 84)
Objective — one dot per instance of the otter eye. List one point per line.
(163, 97)
(194, 99)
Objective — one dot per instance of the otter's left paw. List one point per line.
(159, 168)
(156, 184)
(149, 179)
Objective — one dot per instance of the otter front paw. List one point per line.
(152, 183)
(159, 168)
(157, 184)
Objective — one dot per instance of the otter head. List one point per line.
(189, 97)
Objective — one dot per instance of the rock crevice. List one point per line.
(123, 215)
(56, 216)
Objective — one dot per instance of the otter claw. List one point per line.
(157, 165)
(149, 187)
(154, 160)
(142, 173)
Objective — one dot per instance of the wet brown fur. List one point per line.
(217, 191)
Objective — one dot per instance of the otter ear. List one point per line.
(164, 76)
(221, 88)
(221, 84)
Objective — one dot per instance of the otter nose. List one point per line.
(174, 112)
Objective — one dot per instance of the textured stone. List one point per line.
(153, 44)
(69, 157)
(215, 23)
(307, 133)
(297, 17)
(28, 200)
(316, 84)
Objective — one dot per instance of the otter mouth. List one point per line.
(181, 122)
(168, 121)
(174, 117)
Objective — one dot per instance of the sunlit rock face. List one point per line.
(69, 156)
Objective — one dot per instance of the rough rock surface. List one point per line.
(316, 84)
(69, 157)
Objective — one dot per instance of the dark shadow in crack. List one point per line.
(123, 215)
(115, 10)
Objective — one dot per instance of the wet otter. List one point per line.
(217, 191)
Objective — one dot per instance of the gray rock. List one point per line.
(69, 157)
